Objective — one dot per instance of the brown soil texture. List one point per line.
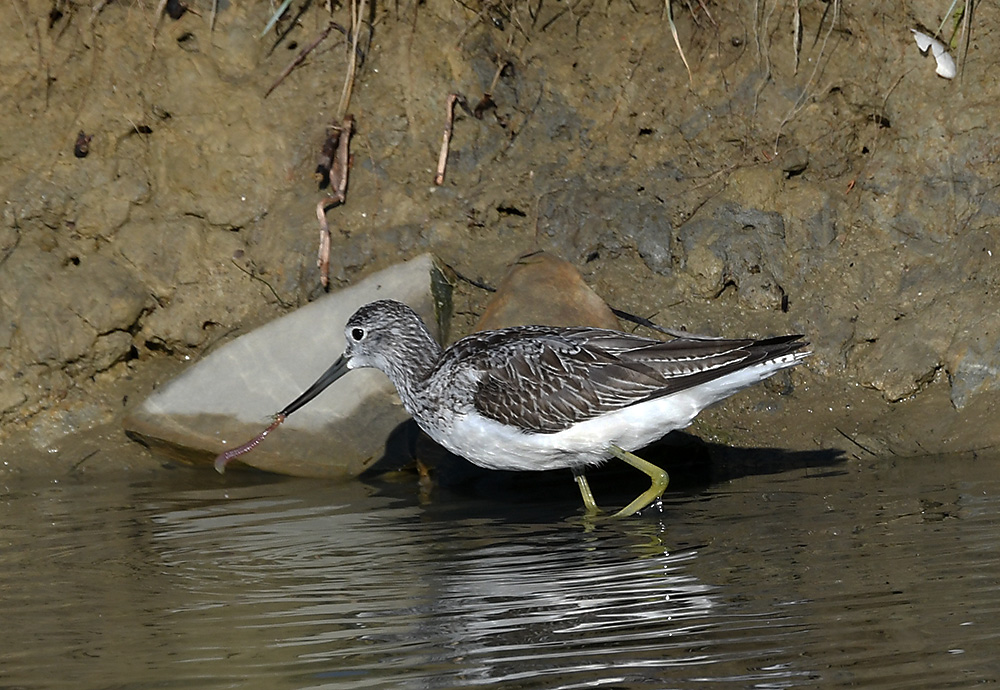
(831, 185)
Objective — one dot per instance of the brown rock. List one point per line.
(543, 289)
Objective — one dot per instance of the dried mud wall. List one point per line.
(832, 185)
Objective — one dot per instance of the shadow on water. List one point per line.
(878, 575)
(693, 465)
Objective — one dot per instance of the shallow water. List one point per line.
(876, 573)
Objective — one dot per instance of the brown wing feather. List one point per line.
(544, 380)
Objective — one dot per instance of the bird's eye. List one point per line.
(357, 334)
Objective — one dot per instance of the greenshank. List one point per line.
(544, 397)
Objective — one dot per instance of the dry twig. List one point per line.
(357, 12)
(157, 16)
(797, 35)
(677, 40)
(302, 55)
(804, 96)
(449, 125)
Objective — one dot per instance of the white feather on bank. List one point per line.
(945, 63)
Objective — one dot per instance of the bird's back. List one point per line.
(545, 379)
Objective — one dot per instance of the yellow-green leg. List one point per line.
(588, 495)
(657, 475)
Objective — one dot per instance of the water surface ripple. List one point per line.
(882, 575)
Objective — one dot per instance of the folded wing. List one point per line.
(558, 377)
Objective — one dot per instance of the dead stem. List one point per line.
(761, 18)
(448, 127)
(323, 256)
(796, 35)
(708, 14)
(801, 100)
(486, 102)
(566, 10)
(157, 16)
(254, 276)
(501, 66)
(302, 55)
(677, 41)
(874, 142)
(24, 24)
(96, 10)
(966, 35)
(357, 12)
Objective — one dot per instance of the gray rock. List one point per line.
(652, 238)
(794, 162)
(734, 245)
(899, 365)
(976, 369)
(227, 398)
(581, 220)
(60, 312)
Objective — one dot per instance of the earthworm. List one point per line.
(339, 139)
(224, 458)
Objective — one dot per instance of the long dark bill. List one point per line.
(336, 370)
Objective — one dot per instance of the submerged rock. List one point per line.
(227, 398)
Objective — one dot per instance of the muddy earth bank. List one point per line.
(832, 185)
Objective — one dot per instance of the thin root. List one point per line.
(302, 55)
(449, 125)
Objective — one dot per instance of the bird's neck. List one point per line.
(410, 369)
